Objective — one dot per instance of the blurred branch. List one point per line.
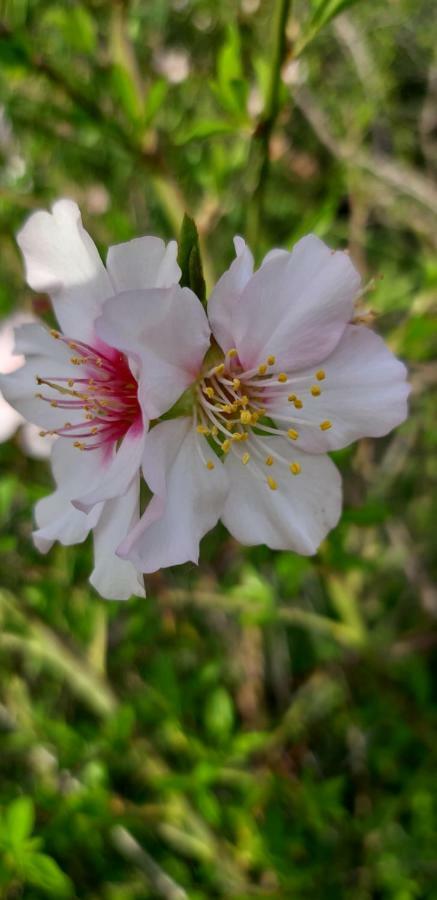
(398, 176)
(41, 643)
(130, 849)
(259, 155)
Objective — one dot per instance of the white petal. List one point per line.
(226, 294)
(144, 262)
(22, 391)
(296, 306)
(296, 516)
(56, 518)
(187, 502)
(33, 339)
(167, 331)
(9, 420)
(112, 577)
(62, 260)
(115, 473)
(364, 394)
(33, 444)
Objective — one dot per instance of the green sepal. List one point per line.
(189, 259)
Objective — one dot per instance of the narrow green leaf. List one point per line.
(189, 259)
(43, 872)
(19, 820)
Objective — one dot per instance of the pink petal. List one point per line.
(112, 577)
(167, 331)
(295, 307)
(298, 514)
(226, 295)
(187, 502)
(62, 260)
(144, 262)
(364, 394)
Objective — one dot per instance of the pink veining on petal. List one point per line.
(104, 388)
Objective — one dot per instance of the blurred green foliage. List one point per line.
(264, 725)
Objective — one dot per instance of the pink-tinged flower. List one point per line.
(287, 379)
(90, 393)
(10, 420)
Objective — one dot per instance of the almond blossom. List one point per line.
(288, 377)
(90, 395)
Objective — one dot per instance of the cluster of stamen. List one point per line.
(104, 390)
(233, 405)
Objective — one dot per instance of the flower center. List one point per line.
(104, 390)
(233, 406)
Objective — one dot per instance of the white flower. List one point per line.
(90, 394)
(287, 379)
(10, 420)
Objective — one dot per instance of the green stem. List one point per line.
(260, 151)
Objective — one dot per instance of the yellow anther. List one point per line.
(244, 436)
(244, 400)
(42, 433)
(282, 378)
(320, 375)
(75, 360)
(245, 458)
(232, 352)
(72, 345)
(202, 429)
(227, 408)
(236, 383)
(219, 369)
(269, 460)
(295, 468)
(292, 398)
(245, 417)
(55, 334)
(298, 403)
(214, 431)
(272, 483)
(209, 391)
(94, 430)
(293, 434)
(210, 464)
(315, 390)
(262, 369)
(226, 446)
(325, 425)
(70, 382)
(53, 402)
(79, 445)
(271, 360)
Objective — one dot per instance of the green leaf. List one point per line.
(189, 259)
(204, 129)
(154, 100)
(19, 820)
(219, 715)
(324, 11)
(42, 871)
(231, 88)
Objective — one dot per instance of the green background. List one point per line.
(263, 725)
